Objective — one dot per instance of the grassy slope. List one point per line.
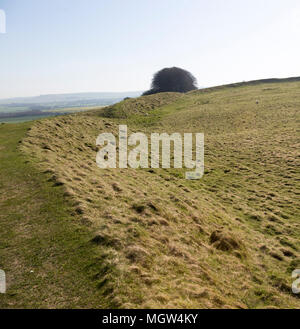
(153, 229)
(45, 253)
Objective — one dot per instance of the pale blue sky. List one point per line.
(63, 46)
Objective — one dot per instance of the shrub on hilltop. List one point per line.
(172, 79)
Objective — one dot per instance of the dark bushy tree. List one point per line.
(172, 79)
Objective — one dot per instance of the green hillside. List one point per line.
(149, 237)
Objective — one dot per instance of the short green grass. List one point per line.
(47, 256)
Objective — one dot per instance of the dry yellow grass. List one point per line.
(228, 240)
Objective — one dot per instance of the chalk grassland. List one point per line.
(230, 239)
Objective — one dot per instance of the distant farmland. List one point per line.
(30, 108)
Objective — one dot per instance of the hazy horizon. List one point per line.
(75, 93)
(124, 92)
(64, 46)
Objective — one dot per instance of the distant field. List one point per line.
(22, 119)
(76, 109)
(60, 103)
(54, 112)
(13, 109)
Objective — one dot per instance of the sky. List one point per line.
(69, 46)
